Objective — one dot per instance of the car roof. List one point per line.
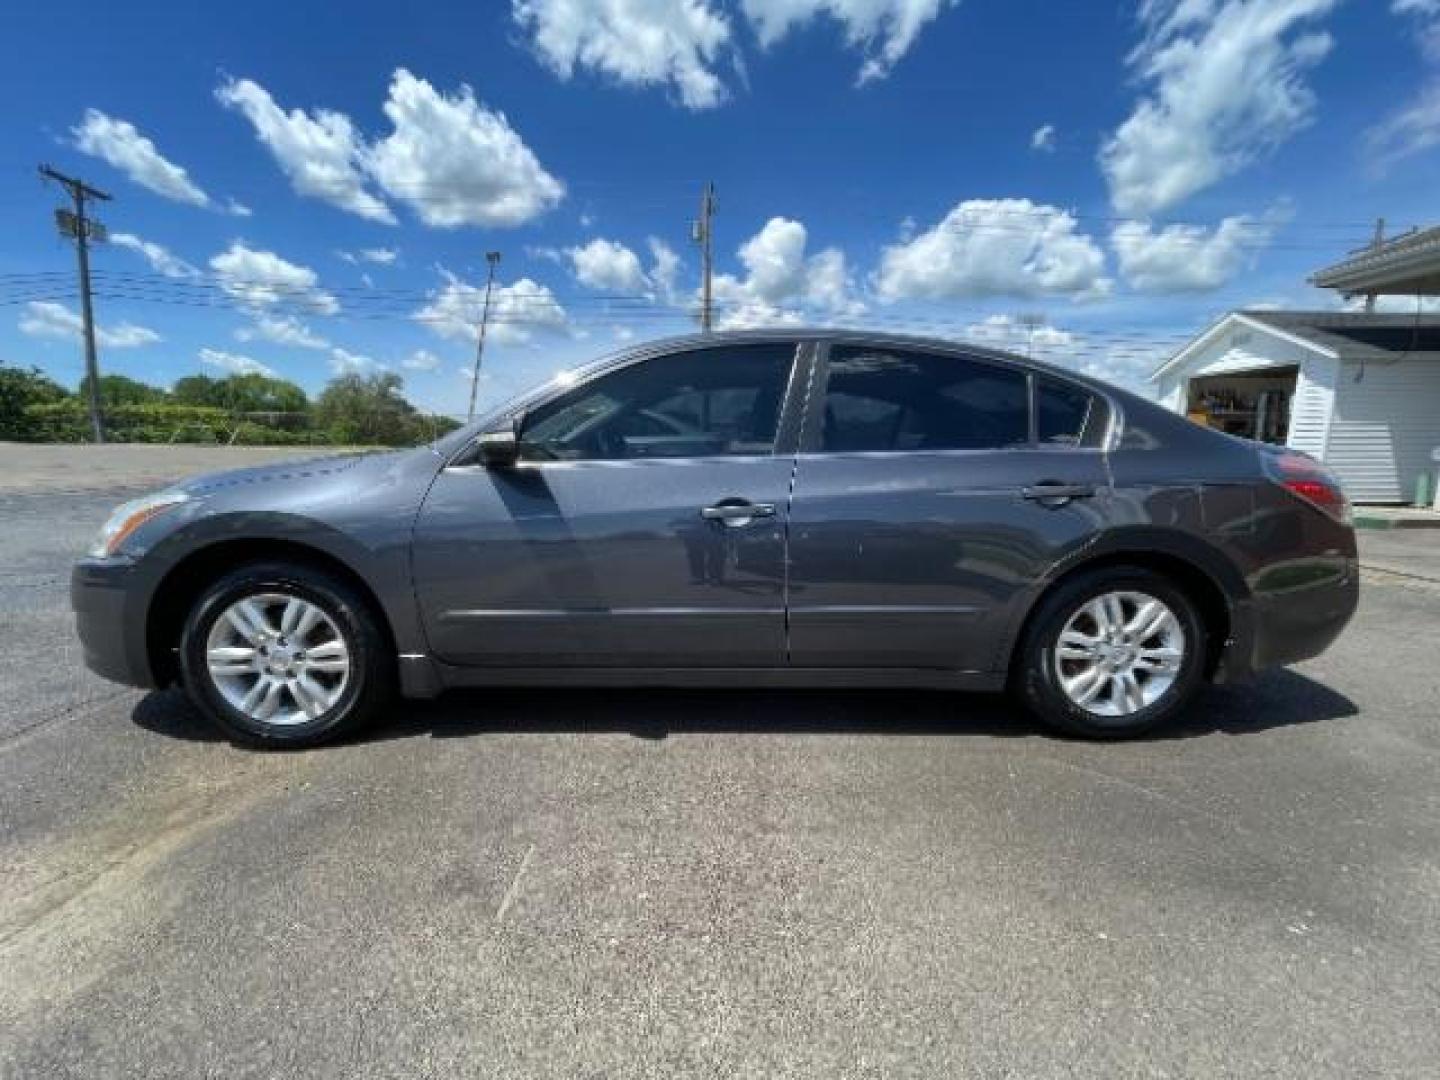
(785, 335)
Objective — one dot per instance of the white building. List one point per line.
(1360, 392)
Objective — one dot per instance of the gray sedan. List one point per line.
(800, 509)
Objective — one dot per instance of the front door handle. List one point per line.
(1056, 493)
(737, 512)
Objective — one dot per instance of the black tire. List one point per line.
(371, 678)
(1036, 678)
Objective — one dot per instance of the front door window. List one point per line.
(719, 402)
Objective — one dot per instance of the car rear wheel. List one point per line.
(1112, 653)
(284, 655)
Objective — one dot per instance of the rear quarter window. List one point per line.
(1069, 415)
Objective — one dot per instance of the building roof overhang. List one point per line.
(1406, 266)
(1223, 325)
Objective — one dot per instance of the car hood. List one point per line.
(289, 471)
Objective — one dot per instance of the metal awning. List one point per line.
(1409, 265)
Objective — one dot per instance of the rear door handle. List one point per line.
(1055, 493)
(737, 512)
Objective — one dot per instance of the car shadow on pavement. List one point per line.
(1276, 699)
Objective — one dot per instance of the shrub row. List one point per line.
(69, 421)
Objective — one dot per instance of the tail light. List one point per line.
(1305, 477)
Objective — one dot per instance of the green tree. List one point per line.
(368, 410)
(195, 390)
(19, 389)
(241, 393)
(123, 390)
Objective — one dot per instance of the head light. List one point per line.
(129, 516)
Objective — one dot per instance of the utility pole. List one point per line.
(1032, 321)
(702, 232)
(1376, 244)
(493, 258)
(83, 229)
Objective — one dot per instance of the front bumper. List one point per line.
(112, 635)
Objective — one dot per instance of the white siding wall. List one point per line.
(1310, 408)
(1170, 392)
(1384, 427)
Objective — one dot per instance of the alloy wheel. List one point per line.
(278, 659)
(1119, 653)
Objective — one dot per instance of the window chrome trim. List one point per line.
(1027, 448)
(626, 463)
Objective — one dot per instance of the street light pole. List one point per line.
(493, 258)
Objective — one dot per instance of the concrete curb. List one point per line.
(1421, 520)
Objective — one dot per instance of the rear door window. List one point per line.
(900, 400)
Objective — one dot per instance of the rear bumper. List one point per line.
(113, 639)
(1296, 613)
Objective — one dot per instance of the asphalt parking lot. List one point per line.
(609, 883)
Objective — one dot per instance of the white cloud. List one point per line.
(160, 258)
(672, 43)
(516, 311)
(995, 247)
(1043, 139)
(1186, 258)
(421, 360)
(612, 266)
(883, 29)
(664, 266)
(1024, 334)
(262, 279)
(320, 152)
(781, 283)
(235, 208)
(680, 43)
(605, 264)
(234, 363)
(380, 256)
(1411, 130)
(1415, 126)
(451, 159)
(344, 362)
(1226, 85)
(1127, 365)
(44, 318)
(467, 374)
(120, 143)
(283, 330)
(457, 162)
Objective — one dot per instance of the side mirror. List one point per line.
(500, 447)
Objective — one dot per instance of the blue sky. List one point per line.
(312, 187)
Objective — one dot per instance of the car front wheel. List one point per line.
(1112, 653)
(284, 655)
